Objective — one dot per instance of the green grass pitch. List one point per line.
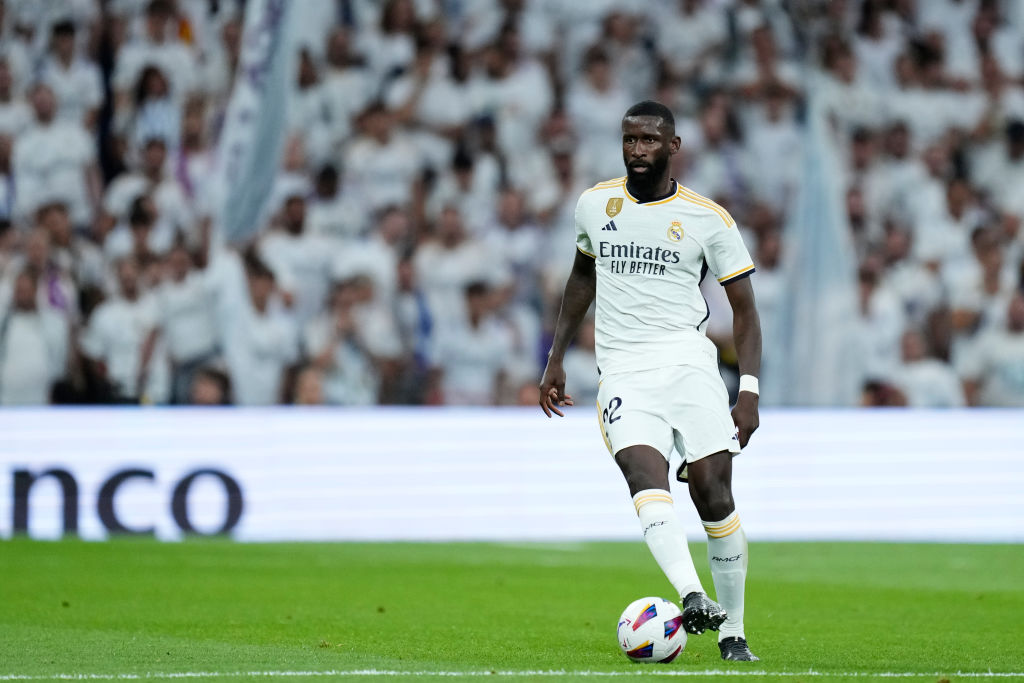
(815, 611)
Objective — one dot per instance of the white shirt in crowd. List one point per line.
(346, 92)
(381, 174)
(444, 273)
(443, 102)
(257, 347)
(50, 162)
(684, 38)
(351, 380)
(475, 202)
(929, 383)
(175, 213)
(878, 335)
(302, 266)
(115, 335)
(15, 117)
(78, 88)
(581, 375)
(597, 118)
(996, 360)
(371, 257)
(519, 103)
(186, 317)
(338, 217)
(33, 354)
(177, 62)
(471, 360)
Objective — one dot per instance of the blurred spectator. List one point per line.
(156, 114)
(880, 326)
(33, 346)
(723, 168)
(347, 85)
(581, 367)
(926, 381)
(470, 358)
(332, 212)
(692, 39)
(447, 263)
(993, 368)
(300, 261)
(185, 306)
(120, 341)
(338, 351)
(309, 387)
(259, 340)
(72, 252)
(469, 184)
(76, 82)
(160, 48)
(390, 46)
(513, 90)
(15, 113)
(210, 387)
(763, 69)
(595, 104)
(54, 159)
(381, 165)
(1001, 167)
(877, 394)
(56, 288)
(309, 113)
(174, 217)
(877, 44)
(7, 246)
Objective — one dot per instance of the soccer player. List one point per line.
(644, 243)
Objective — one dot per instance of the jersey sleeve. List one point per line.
(727, 256)
(582, 238)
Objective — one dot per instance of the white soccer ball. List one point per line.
(651, 630)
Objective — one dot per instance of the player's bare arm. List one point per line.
(579, 294)
(746, 330)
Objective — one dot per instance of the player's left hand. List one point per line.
(552, 390)
(744, 415)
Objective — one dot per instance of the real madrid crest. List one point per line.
(614, 207)
(675, 231)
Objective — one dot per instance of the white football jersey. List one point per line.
(651, 258)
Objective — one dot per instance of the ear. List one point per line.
(674, 145)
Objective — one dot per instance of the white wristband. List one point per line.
(749, 383)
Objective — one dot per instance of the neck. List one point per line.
(659, 189)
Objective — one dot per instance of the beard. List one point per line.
(651, 174)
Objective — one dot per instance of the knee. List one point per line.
(713, 500)
(643, 468)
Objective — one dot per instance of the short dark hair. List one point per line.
(328, 173)
(64, 27)
(1015, 131)
(160, 8)
(477, 288)
(652, 108)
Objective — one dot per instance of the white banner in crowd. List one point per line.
(253, 132)
(483, 474)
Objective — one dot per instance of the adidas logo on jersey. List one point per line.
(610, 225)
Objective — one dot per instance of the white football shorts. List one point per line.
(685, 406)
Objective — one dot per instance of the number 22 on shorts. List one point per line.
(607, 417)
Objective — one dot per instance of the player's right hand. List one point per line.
(552, 390)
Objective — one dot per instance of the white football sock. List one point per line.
(666, 539)
(727, 555)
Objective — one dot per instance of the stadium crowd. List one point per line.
(421, 226)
